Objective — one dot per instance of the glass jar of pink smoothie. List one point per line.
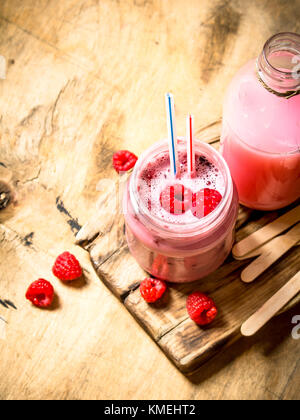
(261, 126)
(179, 247)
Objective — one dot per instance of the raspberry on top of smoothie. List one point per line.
(176, 198)
(183, 199)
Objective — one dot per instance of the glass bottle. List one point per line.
(260, 138)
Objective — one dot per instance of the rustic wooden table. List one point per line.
(83, 79)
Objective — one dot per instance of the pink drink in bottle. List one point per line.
(261, 126)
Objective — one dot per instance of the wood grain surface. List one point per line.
(85, 78)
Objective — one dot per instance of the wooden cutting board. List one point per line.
(167, 322)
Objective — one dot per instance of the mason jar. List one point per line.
(180, 252)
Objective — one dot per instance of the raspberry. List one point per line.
(66, 267)
(201, 308)
(40, 293)
(123, 160)
(176, 199)
(205, 201)
(152, 289)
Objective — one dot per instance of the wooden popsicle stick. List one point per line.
(265, 234)
(272, 306)
(270, 253)
(258, 251)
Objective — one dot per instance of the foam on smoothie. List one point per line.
(156, 175)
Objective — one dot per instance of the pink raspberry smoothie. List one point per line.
(187, 236)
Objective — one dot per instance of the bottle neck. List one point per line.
(279, 64)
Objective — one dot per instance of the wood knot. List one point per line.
(5, 195)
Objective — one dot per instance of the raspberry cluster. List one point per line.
(65, 268)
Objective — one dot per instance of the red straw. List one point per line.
(190, 144)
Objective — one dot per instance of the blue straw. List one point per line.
(170, 102)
